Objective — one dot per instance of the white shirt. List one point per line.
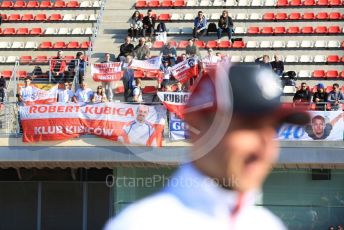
(193, 201)
(63, 95)
(211, 59)
(138, 133)
(84, 95)
(98, 98)
(137, 92)
(28, 93)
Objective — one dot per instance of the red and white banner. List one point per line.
(41, 96)
(185, 70)
(149, 64)
(106, 72)
(174, 101)
(131, 124)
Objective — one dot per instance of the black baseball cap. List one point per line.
(246, 90)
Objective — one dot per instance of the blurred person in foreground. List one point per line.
(231, 157)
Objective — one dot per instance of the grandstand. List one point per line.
(72, 184)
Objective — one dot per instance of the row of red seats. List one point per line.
(21, 31)
(294, 30)
(31, 17)
(327, 74)
(156, 3)
(305, 16)
(41, 59)
(64, 45)
(285, 3)
(37, 4)
(8, 73)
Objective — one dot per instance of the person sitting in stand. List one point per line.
(335, 97)
(320, 97)
(128, 77)
(200, 25)
(148, 24)
(182, 58)
(264, 62)
(63, 94)
(125, 49)
(58, 66)
(303, 95)
(278, 65)
(225, 25)
(180, 88)
(83, 94)
(169, 53)
(78, 61)
(192, 50)
(166, 69)
(135, 25)
(99, 96)
(137, 92)
(141, 51)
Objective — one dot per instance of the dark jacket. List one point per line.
(322, 96)
(303, 95)
(263, 64)
(148, 22)
(126, 49)
(278, 65)
(225, 22)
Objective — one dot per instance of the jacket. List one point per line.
(58, 65)
(200, 24)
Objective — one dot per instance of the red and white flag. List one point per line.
(174, 101)
(106, 72)
(146, 65)
(185, 70)
(41, 96)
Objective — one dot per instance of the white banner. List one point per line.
(40, 96)
(178, 128)
(150, 64)
(106, 72)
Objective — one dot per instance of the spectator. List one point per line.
(63, 93)
(58, 66)
(137, 92)
(161, 32)
(335, 97)
(135, 25)
(169, 53)
(148, 24)
(320, 97)
(141, 51)
(182, 58)
(264, 62)
(303, 95)
(180, 87)
(99, 96)
(128, 78)
(2, 95)
(83, 94)
(225, 25)
(200, 25)
(27, 92)
(125, 49)
(70, 90)
(108, 86)
(192, 50)
(166, 69)
(2, 82)
(210, 58)
(149, 42)
(80, 62)
(278, 65)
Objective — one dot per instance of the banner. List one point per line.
(178, 128)
(40, 96)
(149, 64)
(106, 72)
(174, 101)
(185, 70)
(324, 125)
(130, 124)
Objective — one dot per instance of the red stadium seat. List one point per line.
(59, 4)
(295, 3)
(7, 4)
(329, 88)
(335, 16)
(27, 17)
(335, 2)
(21, 73)
(332, 74)
(149, 89)
(55, 17)
(19, 4)
(293, 30)
(141, 4)
(25, 59)
(308, 16)
(32, 4)
(68, 58)
(139, 74)
(179, 3)
(307, 30)
(211, 44)
(334, 30)
(333, 58)
(36, 31)
(73, 45)
(279, 30)
(119, 89)
(253, 30)
(154, 3)
(321, 30)
(322, 16)
(322, 3)
(85, 45)
(269, 16)
(282, 3)
(225, 44)
(238, 44)
(173, 43)
(14, 17)
(183, 44)
(294, 16)
(318, 73)
(9, 31)
(200, 44)
(59, 45)
(46, 45)
(281, 16)
(23, 31)
(167, 3)
(152, 74)
(40, 17)
(73, 4)
(45, 4)
(164, 17)
(6, 73)
(4, 17)
(267, 30)
(158, 44)
(41, 59)
(309, 3)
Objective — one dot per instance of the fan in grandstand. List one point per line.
(125, 49)
(192, 50)
(182, 58)
(137, 91)
(83, 94)
(99, 96)
(128, 78)
(200, 25)
(135, 25)
(148, 24)
(2, 82)
(320, 97)
(218, 189)
(79, 62)
(264, 62)
(335, 97)
(210, 58)
(108, 86)
(169, 53)
(319, 128)
(63, 93)
(225, 25)
(27, 92)
(180, 87)
(303, 95)
(278, 65)
(58, 66)
(141, 51)
(166, 70)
